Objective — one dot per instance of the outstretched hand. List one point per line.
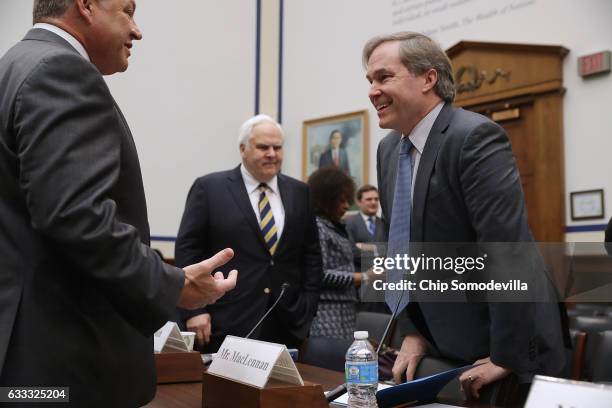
(202, 287)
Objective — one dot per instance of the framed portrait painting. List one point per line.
(341, 141)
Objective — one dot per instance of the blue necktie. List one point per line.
(371, 226)
(399, 231)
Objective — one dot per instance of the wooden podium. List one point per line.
(219, 392)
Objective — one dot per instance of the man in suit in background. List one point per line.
(459, 183)
(267, 218)
(366, 229)
(81, 292)
(336, 154)
(366, 226)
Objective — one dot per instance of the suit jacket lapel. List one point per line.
(288, 204)
(380, 231)
(241, 197)
(363, 226)
(392, 160)
(426, 164)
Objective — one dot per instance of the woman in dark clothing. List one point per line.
(332, 192)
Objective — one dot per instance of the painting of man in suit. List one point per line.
(340, 141)
(335, 154)
(267, 218)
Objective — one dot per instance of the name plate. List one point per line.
(549, 392)
(254, 362)
(169, 339)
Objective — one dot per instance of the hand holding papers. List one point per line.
(201, 286)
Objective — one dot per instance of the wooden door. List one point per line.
(538, 160)
(520, 86)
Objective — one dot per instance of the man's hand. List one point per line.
(201, 325)
(475, 378)
(201, 286)
(366, 247)
(410, 355)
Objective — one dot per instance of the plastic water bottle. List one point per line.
(361, 369)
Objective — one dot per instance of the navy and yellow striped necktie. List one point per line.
(267, 226)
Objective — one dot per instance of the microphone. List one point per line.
(284, 287)
(341, 389)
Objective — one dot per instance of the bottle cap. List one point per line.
(361, 335)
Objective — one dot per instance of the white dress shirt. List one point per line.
(278, 211)
(336, 155)
(418, 137)
(66, 36)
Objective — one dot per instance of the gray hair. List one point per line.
(247, 127)
(419, 54)
(49, 8)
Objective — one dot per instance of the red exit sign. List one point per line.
(594, 63)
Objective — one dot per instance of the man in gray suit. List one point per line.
(366, 226)
(81, 292)
(464, 186)
(366, 230)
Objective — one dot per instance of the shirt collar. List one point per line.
(66, 36)
(252, 184)
(365, 216)
(419, 134)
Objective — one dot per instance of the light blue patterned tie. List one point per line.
(371, 226)
(399, 231)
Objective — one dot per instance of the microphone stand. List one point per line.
(284, 287)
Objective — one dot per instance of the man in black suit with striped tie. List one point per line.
(267, 218)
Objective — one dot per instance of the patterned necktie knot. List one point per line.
(405, 146)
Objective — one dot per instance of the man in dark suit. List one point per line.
(335, 154)
(459, 183)
(81, 292)
(267, 218)
(367, 230)
(366, 226)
